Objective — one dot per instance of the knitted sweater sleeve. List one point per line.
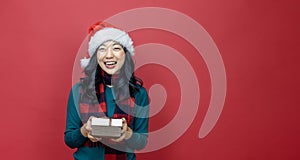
(139, 125)
(72, 135)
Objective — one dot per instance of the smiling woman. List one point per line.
(110, 90)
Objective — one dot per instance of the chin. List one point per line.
(110, 72)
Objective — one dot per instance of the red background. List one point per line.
(258, 41)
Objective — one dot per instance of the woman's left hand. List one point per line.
(126, 132)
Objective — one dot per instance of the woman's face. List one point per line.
(111, 57)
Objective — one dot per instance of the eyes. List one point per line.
(115, 48)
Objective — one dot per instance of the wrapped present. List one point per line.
(106, 127)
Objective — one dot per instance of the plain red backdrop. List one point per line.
(258, 41)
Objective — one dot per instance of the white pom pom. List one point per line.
(84, 62)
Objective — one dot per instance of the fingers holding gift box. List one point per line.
(126, 132)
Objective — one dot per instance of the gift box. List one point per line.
(106, 127)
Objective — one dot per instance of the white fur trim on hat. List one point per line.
(84, 62)
(107, 34)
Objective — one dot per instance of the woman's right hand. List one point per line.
(86, 130)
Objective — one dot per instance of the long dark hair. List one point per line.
(125, 86)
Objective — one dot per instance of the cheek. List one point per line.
(121, 56)
(100, 61)
(99, 57)
(122, 60)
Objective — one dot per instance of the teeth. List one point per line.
(110, 63)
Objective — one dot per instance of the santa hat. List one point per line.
(101, 32)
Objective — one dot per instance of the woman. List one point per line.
(109, 89)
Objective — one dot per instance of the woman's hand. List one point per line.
(126, 132)
(86, 130)
(93, 139)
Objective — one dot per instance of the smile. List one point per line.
(110, 64)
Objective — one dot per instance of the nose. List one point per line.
(109, 53)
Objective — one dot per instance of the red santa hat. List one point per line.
(101, 32)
